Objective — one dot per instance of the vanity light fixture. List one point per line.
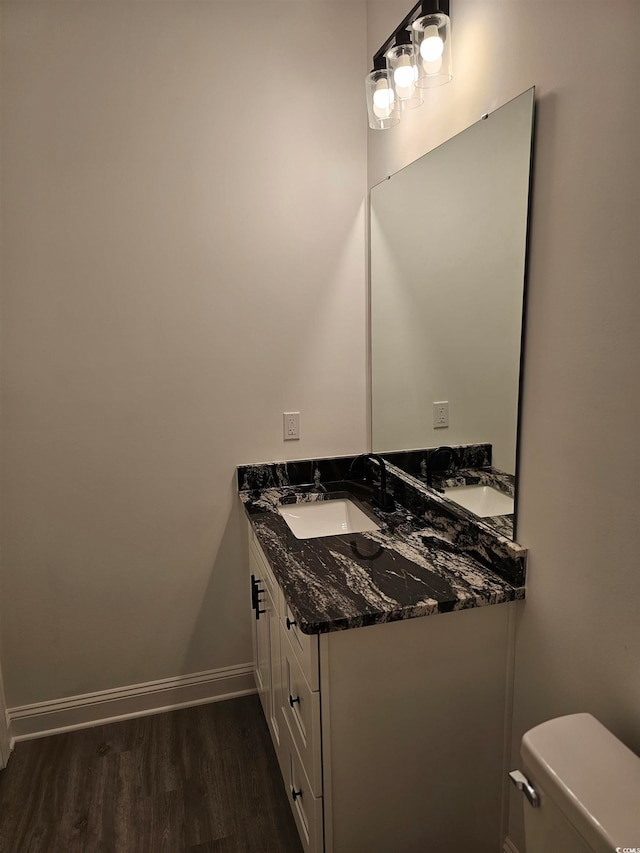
(417, 55)
(431, 37)
(381, 99)
(402, 64)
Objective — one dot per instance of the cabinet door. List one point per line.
(261, 635)
(305, 647)
(307, 809)
(301, 712)
(266, 652)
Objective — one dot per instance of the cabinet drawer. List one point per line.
(305, 647)
(301, 710)
(307, 809)
(266, 574)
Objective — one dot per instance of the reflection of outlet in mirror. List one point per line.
(291, 426)
(441, 415)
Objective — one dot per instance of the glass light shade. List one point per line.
(431, 38)
(382, 103)
(402, 65)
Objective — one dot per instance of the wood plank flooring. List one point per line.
(203, 779)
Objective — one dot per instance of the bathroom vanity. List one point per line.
(382, 662)
(383, 655)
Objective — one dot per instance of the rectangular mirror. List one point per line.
(448, 240)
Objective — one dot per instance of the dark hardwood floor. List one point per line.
(203, 779)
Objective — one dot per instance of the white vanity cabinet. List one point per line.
(390, 737)
(286, 670)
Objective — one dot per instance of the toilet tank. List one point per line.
(588, 783)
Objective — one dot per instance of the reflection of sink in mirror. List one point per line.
(326, 518)
(484, 501)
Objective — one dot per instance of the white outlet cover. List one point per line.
(291, 426)
(441, 414)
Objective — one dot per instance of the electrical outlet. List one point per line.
(291, 426)
(441, 415)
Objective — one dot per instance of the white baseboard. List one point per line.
(509, 846)
(137, 700)
(6, 740)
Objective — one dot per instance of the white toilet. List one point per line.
(581, 788)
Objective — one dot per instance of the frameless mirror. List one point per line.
(448, 243)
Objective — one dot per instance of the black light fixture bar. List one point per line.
(424, 7)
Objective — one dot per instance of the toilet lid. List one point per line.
(593, 778)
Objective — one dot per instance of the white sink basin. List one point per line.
(326, 518)
(481, 500)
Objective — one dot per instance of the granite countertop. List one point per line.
(414, 565)
(475, 469)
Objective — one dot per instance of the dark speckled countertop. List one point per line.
(419, 563)
(474, 468)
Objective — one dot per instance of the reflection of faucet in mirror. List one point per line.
(317, 484)
(442, 460)
(380, 498)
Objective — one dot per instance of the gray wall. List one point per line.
(182, 261)
(578, 633)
